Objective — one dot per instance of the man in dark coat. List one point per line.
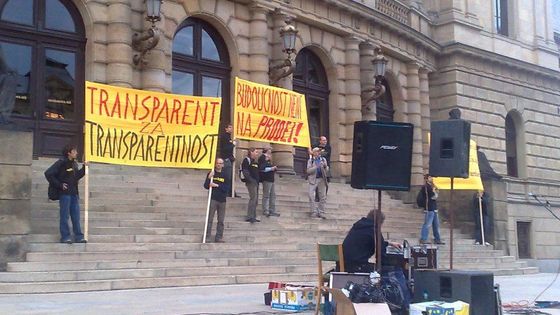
(220, 187)
(481, 199)
(64, 175)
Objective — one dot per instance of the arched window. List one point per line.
(42, 44)
(384, 106)
(310, 79)
(201, 64)
(511, 147)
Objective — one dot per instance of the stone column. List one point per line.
(367, 74)
(415, 118)
(425, 114)
(283, 154)
(16, 152)
(119, 39)
(353, 100)
(539, 8)
(258, 45)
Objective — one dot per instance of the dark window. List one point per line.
(42, 45)
(501, 17)
(511, 147)
(201, 63)
(524, 239)
(384, 106)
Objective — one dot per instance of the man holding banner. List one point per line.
(220, 183)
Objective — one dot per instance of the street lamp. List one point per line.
(288, 34)
(379, 66)
(144, 42)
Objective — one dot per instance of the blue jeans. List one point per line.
(70, 206)
(431, 219)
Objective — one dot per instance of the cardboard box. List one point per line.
(343, 306)
(294, 298)
(440, 308)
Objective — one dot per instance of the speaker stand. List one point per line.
(452, 224)
(377, 226)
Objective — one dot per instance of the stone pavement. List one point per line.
(229, 299)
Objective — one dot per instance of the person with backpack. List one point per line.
(250, 175)
(427, 199)
(267, 172)
(63, 176)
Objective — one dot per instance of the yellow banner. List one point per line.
(473, 182)
(270, 114)
(144, 128)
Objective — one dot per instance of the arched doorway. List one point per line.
(310, 79)
(201, 64)
(42, 45)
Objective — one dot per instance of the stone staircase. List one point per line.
(146, 225)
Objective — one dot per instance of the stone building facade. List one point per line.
(495, 60)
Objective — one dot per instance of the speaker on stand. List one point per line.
(381, 159)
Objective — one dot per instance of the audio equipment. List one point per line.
(449, 148)
(424, 257)
(473, 287)
(381, 155)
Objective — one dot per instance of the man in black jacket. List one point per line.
(250, 169)
(480, 199)
(226, 145)
(267, 171)
(220, 187)
(65, 175)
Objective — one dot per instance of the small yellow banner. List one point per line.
(145, 128)
(270, 114)
(473, 182)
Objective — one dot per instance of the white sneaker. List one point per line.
(487, 244)
(476, 243)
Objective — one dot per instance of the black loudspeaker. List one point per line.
(473, 287)
(381, 155)
(449, 148)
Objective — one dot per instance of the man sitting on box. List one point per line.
(359, 246)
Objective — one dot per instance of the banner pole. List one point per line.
(86, 203)
(233, 172)
(207, 209)
(481, 220)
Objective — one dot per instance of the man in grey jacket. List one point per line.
(317, 170)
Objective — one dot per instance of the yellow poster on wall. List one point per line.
(270, 114)
(145, 128)
(473, 182)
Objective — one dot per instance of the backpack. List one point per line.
(241, 175)
(53, 192)
(421, 198)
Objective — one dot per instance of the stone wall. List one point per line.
(15, 194)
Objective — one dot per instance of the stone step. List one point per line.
(136, 273)
(120, 284)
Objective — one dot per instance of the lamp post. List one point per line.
(379, 66)
(145, 42)
(288, 34)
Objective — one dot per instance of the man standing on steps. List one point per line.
(226, 147)
(430, 194)
(267, 171)
(64, 175)
(250, 170)
(220, 188)
(317, 169)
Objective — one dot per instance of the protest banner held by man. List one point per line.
(220, 187)
(250, 170)
(267, 172)
(64, 176)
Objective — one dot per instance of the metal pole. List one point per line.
(452, 221)
(86, 203)
(378, 233)
(207, 209)
(481, 220)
